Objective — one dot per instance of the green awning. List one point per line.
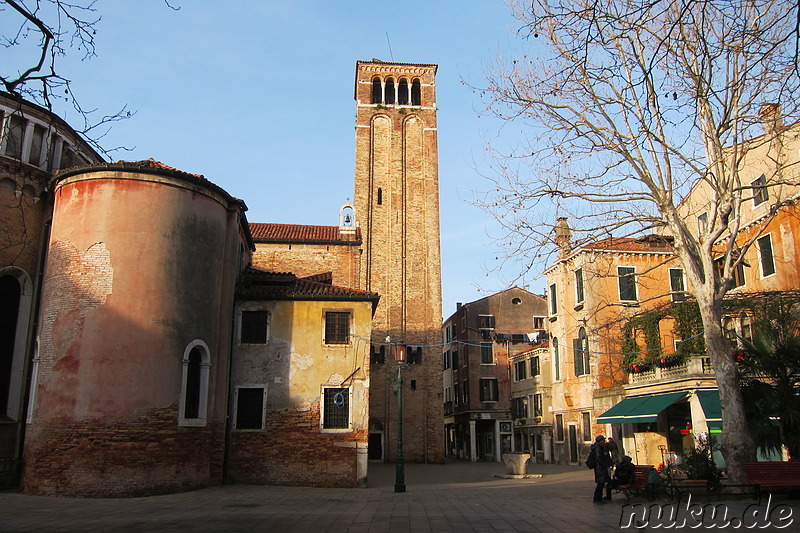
(709, 399)
(640, 408)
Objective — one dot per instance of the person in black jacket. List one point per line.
(623, 475)
(602, 462)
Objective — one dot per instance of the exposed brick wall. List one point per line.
(309, 259)
(397, 202)
(146, 455)
(291, 450)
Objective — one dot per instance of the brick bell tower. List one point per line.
(397, 206)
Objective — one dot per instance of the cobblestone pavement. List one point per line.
(462, 497)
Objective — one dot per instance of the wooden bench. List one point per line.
(637, 484)
(772, 476)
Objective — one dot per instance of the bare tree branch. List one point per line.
(631, 107)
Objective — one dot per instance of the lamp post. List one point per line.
(400, 466)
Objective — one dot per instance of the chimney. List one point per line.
(563, 237)
(771, 118)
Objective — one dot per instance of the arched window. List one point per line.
(194, 390)
(377, 91)
(402, 92)
(416, 92)
(390, 91)
(556, 360)
(192, 401)
(581, 353)
(10, 293)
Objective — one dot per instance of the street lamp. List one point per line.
(400, 466)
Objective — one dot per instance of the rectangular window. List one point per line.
(465, 392)
(485, 321)
(702, 222)
(535, 365)
(765, 253)
(487, 356)
(738, 272)
(517, 408)
(37, 143)
(627, 284)
(587, 426)
(553, 300)
(760, 194)
(456, 393)
(538, 322)
(676, 286)
(488, 390)
(537, 404)
(446, 360)
(455, 359)
(337, 327)
(249, 408)
(577, 354)
(336, 408)
(520, 370)
(254, 327)
(579, 286)
(559, 428)
(15, 129)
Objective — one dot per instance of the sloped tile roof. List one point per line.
(298, 233)
(259, 284)
(649, 243)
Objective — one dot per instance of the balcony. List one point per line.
(696, 366)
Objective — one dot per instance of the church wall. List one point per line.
(140, 266)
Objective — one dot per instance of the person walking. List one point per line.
(602, 462)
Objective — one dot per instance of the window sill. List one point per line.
(192, 422)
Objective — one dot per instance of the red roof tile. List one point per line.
(152, 163)
(649, 243)
(298, 233)
(263, 285)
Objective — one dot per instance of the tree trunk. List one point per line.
(737, 443)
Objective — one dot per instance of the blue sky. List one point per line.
(258, 97)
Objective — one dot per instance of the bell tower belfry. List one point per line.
(397, 202)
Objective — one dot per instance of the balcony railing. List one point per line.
(695, 365)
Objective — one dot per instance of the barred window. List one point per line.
(337, 327)
(336, 408)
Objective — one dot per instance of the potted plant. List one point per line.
(699, 465)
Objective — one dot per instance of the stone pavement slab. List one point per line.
(458, 497)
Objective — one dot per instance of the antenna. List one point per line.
(390, 46)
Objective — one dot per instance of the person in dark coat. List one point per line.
(602, 462)
(623, 475)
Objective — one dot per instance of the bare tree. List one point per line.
(44, 31)
(629, 104)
